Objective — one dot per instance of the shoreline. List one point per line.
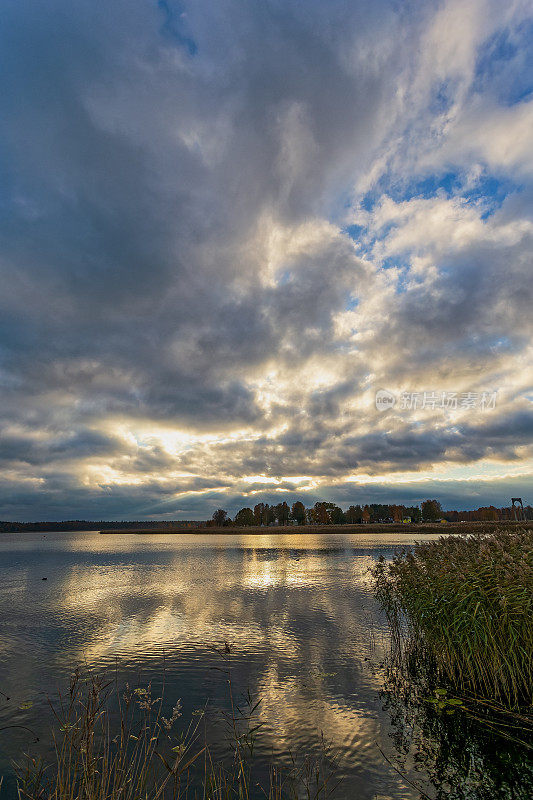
(278, 530)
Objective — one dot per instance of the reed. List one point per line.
(466, 603)
(133, 752)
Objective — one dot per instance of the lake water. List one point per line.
(306, 633)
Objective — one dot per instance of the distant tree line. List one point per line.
(489, 514)
(282, 514)
(88, 525)
(323, 513)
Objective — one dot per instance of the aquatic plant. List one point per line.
(466, 603)
(453, 753)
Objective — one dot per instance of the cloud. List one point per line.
(224, 227)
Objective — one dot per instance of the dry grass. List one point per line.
(467, 603)
(394, 527)
(102, 754)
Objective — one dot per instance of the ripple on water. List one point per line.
(305, 632)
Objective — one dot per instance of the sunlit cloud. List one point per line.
(214, 255)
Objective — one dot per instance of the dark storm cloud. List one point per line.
(78, 444)
(322, 453)
(121, 239)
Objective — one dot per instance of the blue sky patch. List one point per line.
(173, 26)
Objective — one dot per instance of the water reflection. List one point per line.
(458, 758)
(307, 635)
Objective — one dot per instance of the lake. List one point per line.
(306, 634)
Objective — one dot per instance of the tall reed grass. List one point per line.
(467, 604)
(117, 745)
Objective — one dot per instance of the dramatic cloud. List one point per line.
(225, 226)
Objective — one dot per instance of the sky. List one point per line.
(224, 226)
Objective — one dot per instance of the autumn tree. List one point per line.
(220, 517)
(397, 513)
(431, 510)
(298, 512)
(336, 515)
(488, 514)
(259, 514)
(413, 512)
(321, 513)
(326, 513)
(269, 514)
(379, 512)
(244, 517)
(282, 512)
(354, 515)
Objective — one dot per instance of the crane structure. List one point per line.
(518, 505)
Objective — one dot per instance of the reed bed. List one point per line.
(466, 604)
(349, 528)
(133, 752)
